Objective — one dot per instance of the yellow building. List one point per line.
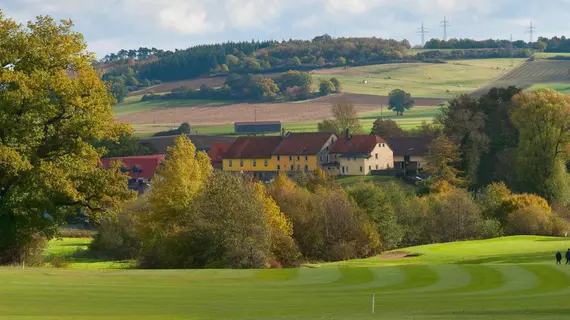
(303, 151)
(409, 152)
(252, 155)
(361, 154)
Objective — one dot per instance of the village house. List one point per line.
(359, 155)
(252, 155)
(141, 169)
(409, 152)
(216, 154)
(303, 151)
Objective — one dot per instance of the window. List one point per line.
(135, 170)
(376, 167)
(278, 158)
(278, 167)
(292, 167)
(360, 168)
(254, 163)
(369, 167)
(124, 170)
(306, 158)
(346, 169)
(230, 162)
(306, 168)
(290, 158)
(298, 158)
(376, 156)
(241, 163)
(266, 163)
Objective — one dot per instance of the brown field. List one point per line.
(313, 110)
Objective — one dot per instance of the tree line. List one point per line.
(292, 85)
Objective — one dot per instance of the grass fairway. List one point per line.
(421, 79)
(508, 278)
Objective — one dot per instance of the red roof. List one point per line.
(217, 151)
(253, 147)
(145, 165)
(356, 144)
(309, 143)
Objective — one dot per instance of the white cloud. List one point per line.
(252, 13)
(187, 17)
(305, 23)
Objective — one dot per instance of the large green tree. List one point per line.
(483, 131)
(543, 119)
(52, 103)
(400, 101)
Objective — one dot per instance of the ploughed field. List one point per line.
(507, 278)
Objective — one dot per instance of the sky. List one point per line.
(111, 25)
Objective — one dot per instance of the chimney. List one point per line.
(347, 134)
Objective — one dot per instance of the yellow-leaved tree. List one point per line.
(52, 104)
(283, 247)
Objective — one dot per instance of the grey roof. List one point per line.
(411, 146)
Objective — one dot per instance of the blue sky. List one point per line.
(110, 25)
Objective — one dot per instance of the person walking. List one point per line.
(558, 257)
(568, 256)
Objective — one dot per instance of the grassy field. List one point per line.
(70, 250)
(508, 278)
(421, 80)
(545, 55)
(134, 105)
(558, 86)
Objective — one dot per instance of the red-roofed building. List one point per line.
(303, 151)
(141, 169)
(253, 155)
(359, 155)
(216, 154)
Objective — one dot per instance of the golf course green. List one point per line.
(506, 278)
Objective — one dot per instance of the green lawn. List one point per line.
(421, 79)
(69, 249)
(508, 278)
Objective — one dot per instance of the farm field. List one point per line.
(410, 120)
(545, 55)
(507, 278)
(541, 73)
(421, 79)
(558, 86)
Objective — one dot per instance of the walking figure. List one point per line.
(558, 257)
(568, 256)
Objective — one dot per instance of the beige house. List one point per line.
(360, 155)
(409, 152)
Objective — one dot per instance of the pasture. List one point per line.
(507, 278)
(421, 79)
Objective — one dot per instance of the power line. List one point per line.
(423, 31)
(530, 30)
(445, 24)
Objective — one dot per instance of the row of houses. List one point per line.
(266, 156)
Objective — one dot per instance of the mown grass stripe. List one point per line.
(415, 277)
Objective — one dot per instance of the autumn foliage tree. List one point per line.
(344, 117)
(400, 101)
(543, 119)
(52, 103)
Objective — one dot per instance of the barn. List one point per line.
(257, 127)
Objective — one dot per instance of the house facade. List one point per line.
(252, 155)
(409, 152)
(303, 151)
(359, 155)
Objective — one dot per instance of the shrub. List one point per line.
(59, 261)
(490, 228)
(117, 237)
(530, 220)
(31, 254)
